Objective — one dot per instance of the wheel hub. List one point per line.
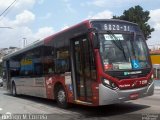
(61, 96)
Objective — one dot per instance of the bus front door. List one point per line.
(81, 68)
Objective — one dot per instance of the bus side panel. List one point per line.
(49, 87)
(5, 85)
(51, 83)
(31, 86)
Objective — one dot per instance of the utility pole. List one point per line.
(24, 42)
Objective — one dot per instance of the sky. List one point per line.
(36, 19)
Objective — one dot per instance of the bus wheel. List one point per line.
(14, 92)
(61, 97)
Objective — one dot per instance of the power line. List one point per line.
(8, 7)
(6, 11)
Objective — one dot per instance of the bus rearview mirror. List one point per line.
(96, 44)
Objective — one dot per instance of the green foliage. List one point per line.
(137, 15)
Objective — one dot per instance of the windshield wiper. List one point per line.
(117, 42)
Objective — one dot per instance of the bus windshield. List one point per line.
(123, 52)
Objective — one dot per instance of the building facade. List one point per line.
(155, 58)
(6, 51)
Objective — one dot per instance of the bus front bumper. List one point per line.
(109, 96)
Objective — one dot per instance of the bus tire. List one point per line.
(61, 97)
(14, 92)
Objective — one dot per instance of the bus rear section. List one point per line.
(97, 62)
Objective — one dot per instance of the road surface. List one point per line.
(142, 109)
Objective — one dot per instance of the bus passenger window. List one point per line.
(62, 61)
(48, 64)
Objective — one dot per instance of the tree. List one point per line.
(137, 15)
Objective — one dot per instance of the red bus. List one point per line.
(96, 62)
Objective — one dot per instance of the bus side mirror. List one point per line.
(96, 44)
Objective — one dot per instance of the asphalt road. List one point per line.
(142, 109)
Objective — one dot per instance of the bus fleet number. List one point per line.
(116, 27)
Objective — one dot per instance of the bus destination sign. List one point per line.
(116, 26)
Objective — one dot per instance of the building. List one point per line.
(6, 51)
(155, 58)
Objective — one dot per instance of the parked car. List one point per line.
(1, 82)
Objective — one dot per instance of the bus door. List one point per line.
(81, 68)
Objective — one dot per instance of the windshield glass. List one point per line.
(121, 51)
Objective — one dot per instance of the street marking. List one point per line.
(1, 109)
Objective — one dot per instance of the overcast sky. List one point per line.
(36, 19)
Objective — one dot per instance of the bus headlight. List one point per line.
(106, 81)
(113, 85)
(152, 76)
(109, 84)
(151, 79)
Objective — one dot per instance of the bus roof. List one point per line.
(29, 47)
(43, 41)
(116, 20)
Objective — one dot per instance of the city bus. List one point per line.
(96, 62)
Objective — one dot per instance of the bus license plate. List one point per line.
(134, 96)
